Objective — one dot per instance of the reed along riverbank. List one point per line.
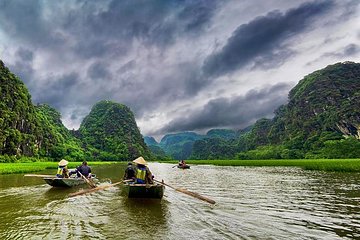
(333, 165)
(9, 168)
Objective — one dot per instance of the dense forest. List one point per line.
(109, 132)
(320, 120)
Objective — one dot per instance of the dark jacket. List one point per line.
(84, 170)
(129, 173)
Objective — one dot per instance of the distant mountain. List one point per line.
(222, 133)
(321, 120)
(180, 145)
(150, 141)
(110, 132)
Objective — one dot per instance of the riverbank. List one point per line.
(333, 165)
(9, 168)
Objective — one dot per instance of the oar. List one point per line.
(193, 194)
(93, 189)
(38, 175)
(91, 184)
(174, 166)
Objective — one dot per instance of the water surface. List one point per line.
(252, 203)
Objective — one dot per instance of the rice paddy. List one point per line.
(9, 168)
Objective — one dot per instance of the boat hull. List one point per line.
(184, 167)
(65, 182)
(144, 190)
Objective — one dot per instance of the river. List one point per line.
(252, 203)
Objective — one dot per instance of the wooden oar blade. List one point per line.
(39, 175)
(196, 195)
(193, 194)
(90, 183)
(82, 192)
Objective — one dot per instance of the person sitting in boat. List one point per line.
(182, 163)
(84, 169)
(143, 174)
(63, 171)
(129, 172)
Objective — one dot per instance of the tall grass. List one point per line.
(8, 168)
(337, 165)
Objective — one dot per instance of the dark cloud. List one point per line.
(59, 90)
(239, 111)
(258, 40)
(157, 22)
(349, 50)
(153, 55)
(25, 54)
(99, 70)
(23, 66)
(24, 21)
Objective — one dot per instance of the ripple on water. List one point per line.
(251, 203)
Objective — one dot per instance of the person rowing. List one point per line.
(143, 174)
(130, 172)
(84, 170)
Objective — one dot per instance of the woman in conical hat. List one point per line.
(142, 172)
(62, 171)
(63, 163)
(140, 160)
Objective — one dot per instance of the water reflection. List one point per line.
(252, 203)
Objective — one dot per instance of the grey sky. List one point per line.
(179, 65)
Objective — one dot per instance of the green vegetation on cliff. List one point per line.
(321, 120)
(20, 129)
(110, 132)
(323, 110)
(62, 143)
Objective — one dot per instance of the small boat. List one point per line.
(66, 182)
(183, 166)
(144, 190)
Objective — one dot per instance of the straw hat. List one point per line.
(63, 162)
(140, 160)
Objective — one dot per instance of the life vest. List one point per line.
(60, 172)
(140, 175)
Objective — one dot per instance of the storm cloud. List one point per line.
(236, 112)
(263, 40)
(179, 65)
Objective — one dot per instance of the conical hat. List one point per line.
(140, 160)
(63, 162)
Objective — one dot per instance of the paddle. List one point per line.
(82, 192)
(174, 166)
(192, 194)
(38, 175)
(90, 183)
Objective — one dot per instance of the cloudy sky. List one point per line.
(180, 65)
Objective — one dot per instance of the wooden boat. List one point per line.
(66, 182)
(183, 166)
(144, 190)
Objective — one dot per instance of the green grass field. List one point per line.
(338, 165)
(8, 168)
